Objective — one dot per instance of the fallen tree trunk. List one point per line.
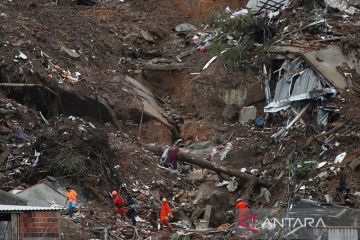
(192, 159)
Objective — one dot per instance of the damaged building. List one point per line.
(220, 113)
(299, 90)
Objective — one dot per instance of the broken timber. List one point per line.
(190, 158)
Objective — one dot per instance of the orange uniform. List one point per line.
(165, 212)
(119, 207)
(71, 196)
(243, 207)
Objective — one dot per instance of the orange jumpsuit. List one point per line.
(242, 206)
(119, 207)
(165, 212)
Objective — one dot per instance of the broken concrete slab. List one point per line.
(146, 101)
(42, 195)
(326, 61)
(247, 114)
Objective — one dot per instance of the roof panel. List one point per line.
(19, 208)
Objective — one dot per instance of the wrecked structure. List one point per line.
(263, 95)
(297, 87)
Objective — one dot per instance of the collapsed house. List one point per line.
(299, 87)
(308, 80)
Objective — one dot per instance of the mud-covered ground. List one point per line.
(79, 58)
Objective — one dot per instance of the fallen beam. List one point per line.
(192, 159)
(189, 158)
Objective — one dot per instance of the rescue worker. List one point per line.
(119, 205)
(165, 214)
(71, 198)
(264, 196)
(131, 212)
(342, 184)
(243, 208)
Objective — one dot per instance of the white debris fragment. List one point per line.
(339, 158)
(72, 118)
(228, 148)
(4, 15)
(77, 74)
(81, 128)
(223, 183)
(20, 55)
(209, 62)
(320, 165)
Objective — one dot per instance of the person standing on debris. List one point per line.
(119, 204)
(131, 212)
(243, 208)
(342, 183)
(165, 213)
(71, 198)
(264, 196)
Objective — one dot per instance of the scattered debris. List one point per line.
(339, 158)
(185, 27)
(72, 53)
(20, 55)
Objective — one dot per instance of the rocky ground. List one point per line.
(94, 89)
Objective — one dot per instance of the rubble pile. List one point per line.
(256, 105)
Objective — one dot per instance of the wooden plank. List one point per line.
(15, 226)
(354, 164)
(207, 214)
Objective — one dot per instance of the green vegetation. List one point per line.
(217, 139)
(68, 163)
(303, 169)
(223, 21)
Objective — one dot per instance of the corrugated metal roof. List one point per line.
(17, 208)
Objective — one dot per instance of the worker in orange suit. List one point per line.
(165, 214)
(119, 204)
(243, 208)
(71, 198)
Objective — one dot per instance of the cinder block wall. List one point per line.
(35, 225)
